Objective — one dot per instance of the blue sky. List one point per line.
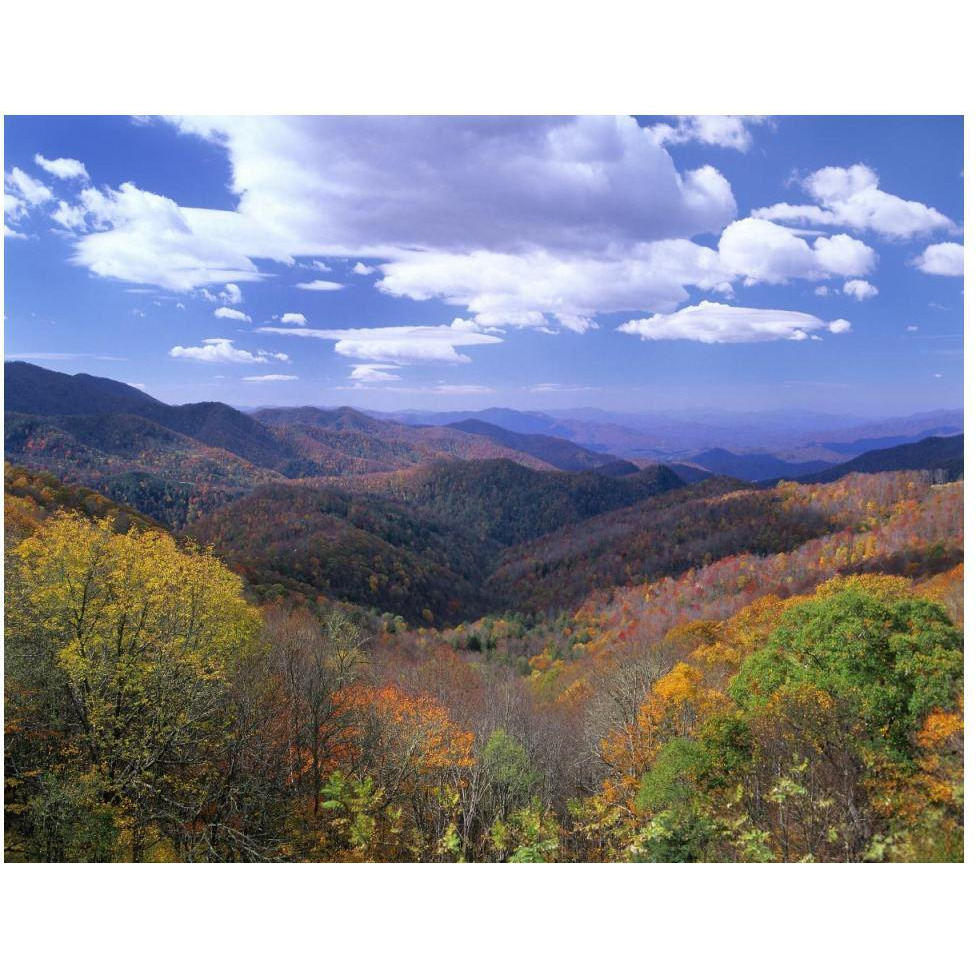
(658, 263)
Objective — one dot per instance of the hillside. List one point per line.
(557, 451)
(319, 542)
(693, 526)
(178, 462)
(754, 467)
(345, 441)
(943, 454)
(31, 497)
(508, 503)
(167, 475)
(33, 389)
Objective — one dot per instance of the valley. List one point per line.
(485, 643)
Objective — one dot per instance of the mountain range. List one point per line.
(427, 521)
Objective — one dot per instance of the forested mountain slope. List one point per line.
(754, 467)
(557, 451)
(944, 454)
(346, 441)
(293, 538)
(31, 497)
(509, 503)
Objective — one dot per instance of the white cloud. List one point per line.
(22, 193)
(911, 328)
(527, 290)
(852, 197)
(144, 238)
(761, 251)
(712, 322)
(231, 294)
(269, 378)
(294, 318)
(822, 290)
(231, 313)
(558, 194)
(537, 288)
(315, 266)
(362, 269)
(63, 169)
(355, 184)
(32, 192)
(70, 218)
(320, 285)
(400, 345)
(727, 131)
(217, 351)
(941, 259)
(373, 373)
(382, 187)
(860, 290)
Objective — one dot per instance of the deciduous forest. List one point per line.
(419, 669)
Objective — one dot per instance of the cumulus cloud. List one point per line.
(761, 251)
(269, 378)
(941, 259)
(320, 285)
(362, 269)
(450, 182)
(852, 197)
(294, 318)
(217, 351)
(726, 131)
(63, 169)
(526, 289)
(231, 313)
(860, 290)
(713, 322)
(231, 294)
(381, 187)
(540, 287)
(69, 217)
(144, 238)
(400, 345)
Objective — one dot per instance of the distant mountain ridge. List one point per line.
(557, 451)
(176, 462)
(754, 467)
(943, 454)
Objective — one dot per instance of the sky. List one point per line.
(631, 263)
